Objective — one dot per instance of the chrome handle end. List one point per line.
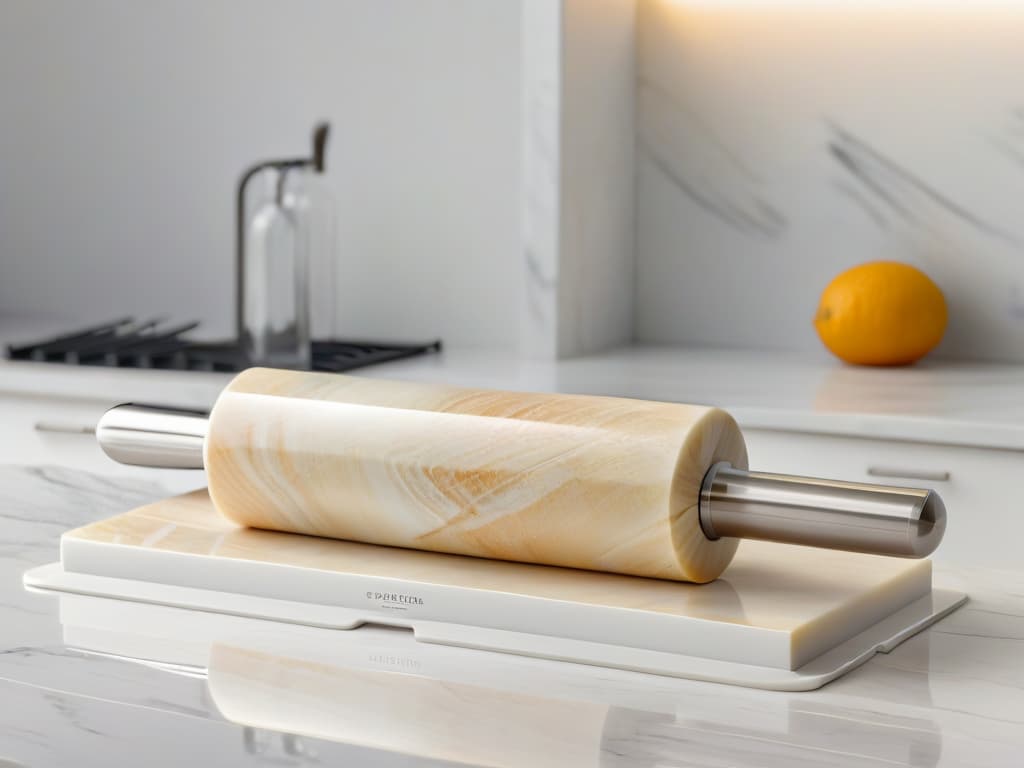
(149, 436)
(857, 517)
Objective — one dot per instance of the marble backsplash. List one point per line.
(780, 143)
(549, 176)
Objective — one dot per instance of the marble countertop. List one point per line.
(944, 402)
(951, 696)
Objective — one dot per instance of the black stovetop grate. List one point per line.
(128, 343)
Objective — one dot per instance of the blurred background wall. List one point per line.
(125, 126)
(483, 161)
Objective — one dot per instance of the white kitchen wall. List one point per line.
(124, 127)
(597, 132)
(781, 142)
(578, 164)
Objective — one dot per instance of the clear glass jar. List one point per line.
(286, 245)
(310, 201)
(275, 276)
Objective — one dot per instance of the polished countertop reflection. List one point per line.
(86, 681)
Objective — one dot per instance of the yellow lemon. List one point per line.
(881, 313)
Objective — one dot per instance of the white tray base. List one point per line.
(881, 637)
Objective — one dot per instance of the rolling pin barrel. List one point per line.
(734, 503)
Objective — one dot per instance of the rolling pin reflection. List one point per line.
(314, 683)
(599, 483)
(404, 713)
(394, 701)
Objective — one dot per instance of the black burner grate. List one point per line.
(127, 343)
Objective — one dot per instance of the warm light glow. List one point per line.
(880, 5)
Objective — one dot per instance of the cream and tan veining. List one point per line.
(599, 483)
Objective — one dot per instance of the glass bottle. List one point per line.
(285, 224)
(310, 201)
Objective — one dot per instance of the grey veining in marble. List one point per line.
(36, 505)
(782, 144)
(702, 166)
(576, 200)
(904, 193)
(952, 696)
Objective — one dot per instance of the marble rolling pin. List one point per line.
(602, 483)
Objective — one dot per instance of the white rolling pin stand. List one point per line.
(394, 464)
(781, 617)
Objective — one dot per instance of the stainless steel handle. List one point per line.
(149, 436)
(859, 517)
